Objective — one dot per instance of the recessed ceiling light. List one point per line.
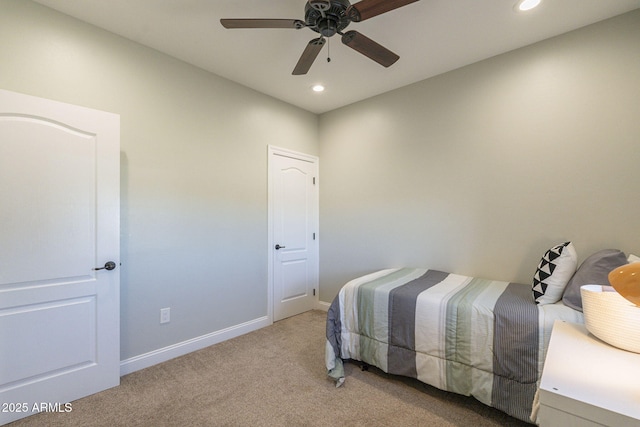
(524, 5)
(318, 88)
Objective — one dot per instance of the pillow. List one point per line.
(633, 258)
(553, 273)
(593, 271)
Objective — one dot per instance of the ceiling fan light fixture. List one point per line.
(328, 18)
(525, 5)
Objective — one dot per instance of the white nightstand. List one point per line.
(586, 382)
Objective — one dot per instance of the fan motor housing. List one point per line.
(335, 18)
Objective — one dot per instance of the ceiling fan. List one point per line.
(330, 17)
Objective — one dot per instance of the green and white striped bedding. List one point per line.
(476, 337)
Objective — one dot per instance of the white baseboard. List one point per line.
(324, 306)
(167, 353)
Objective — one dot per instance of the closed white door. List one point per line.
(294, 232)
(59, 223)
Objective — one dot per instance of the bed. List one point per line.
(472, 336)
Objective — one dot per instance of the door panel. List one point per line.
(59, 187)
(69, 322)
(294, 208)
(295, 277)
(56, 204)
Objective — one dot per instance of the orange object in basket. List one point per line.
(626, 281)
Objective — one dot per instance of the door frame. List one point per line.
(277, 151)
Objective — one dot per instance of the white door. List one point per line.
(293, 200)
(59, 221)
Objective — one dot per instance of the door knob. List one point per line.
(279, 247)
(109, 265)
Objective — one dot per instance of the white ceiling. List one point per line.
(431, 37)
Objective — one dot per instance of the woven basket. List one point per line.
(610, 317)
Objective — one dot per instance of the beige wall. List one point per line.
(194, 169)
(478, 171)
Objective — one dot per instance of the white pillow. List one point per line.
(553, 273)
(633, 258)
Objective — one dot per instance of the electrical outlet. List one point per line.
(165, 315)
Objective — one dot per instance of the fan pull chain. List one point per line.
(329, 49)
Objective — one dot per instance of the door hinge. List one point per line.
(314, 236)
(314, 180)
(314, 292)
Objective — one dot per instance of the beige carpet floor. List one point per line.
(271, 377)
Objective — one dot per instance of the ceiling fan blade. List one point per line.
(308, 56)
(369, 48)
(263, 23)
(366, 9)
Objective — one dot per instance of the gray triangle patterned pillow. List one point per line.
(554, 271)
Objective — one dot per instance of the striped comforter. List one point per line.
(471, 336)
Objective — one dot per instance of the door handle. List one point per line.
(279, 247)
(109, 265)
